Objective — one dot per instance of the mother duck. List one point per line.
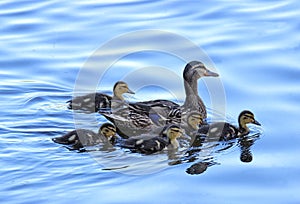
(159, 110)
(144, 114)
(164, 111)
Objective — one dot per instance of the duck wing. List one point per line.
(157, 110)
(91, 102)
(129, 123)
(158, 103)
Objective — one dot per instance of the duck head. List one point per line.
(120, 88)
(195, 70)
(108, 130)
(245, 118)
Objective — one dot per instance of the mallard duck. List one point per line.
(139, 117)
(79, 138)
(149, 143)
(95, 101)
(226, 131)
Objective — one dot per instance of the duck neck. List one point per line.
(243, 129)
(174, 143)
(192, 100)
(191, 87)
(112, 139)
(118, 96)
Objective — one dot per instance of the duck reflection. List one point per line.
(200, 167)
(245, 143)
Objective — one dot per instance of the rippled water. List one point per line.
(254, 46)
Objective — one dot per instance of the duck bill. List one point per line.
(210, 73)
(256, 123)
(130, 92)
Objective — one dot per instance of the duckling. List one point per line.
(149, 144)
(79, 138)
(226, 131)
(192, 122)
(95, 101)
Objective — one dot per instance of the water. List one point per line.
(254, 45)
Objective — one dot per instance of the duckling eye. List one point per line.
(175, 130)
(247, 117)
(111, 129)
(195, 119)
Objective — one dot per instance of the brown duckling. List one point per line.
(149, 143)
(95, 101)
(80, 138)
(226, 131)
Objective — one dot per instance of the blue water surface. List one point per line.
(253, 45)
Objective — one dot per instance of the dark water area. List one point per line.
(253, 45)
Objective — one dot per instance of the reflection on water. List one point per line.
(244, 143)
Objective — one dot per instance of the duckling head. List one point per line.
(120, 88)
(245, 118)
(173, 132)
(194, 119)
(196, 70)
(108, 130)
